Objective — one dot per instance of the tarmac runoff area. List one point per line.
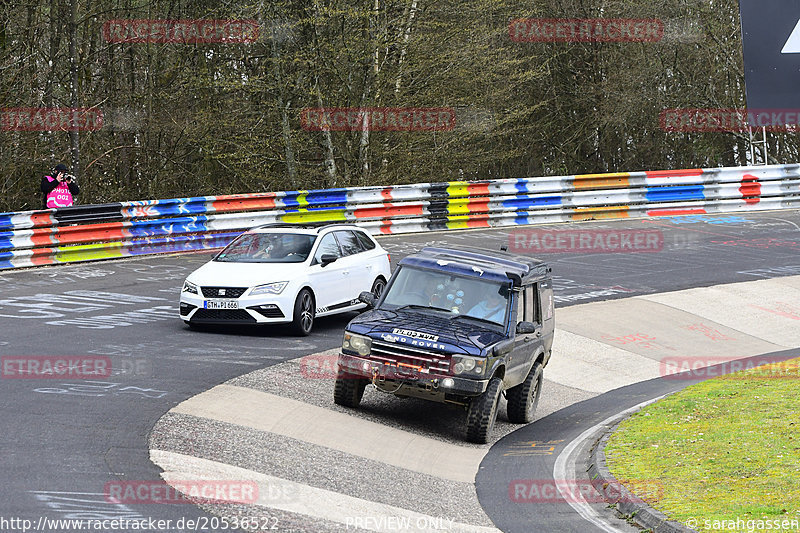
(401, 464)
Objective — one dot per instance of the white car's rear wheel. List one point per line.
(378, 287)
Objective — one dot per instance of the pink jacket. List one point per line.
(61, 196)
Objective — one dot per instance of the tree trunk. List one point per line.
(283, 106)
(330, 162)
(363, 144)
(74, 138)
(403, 49)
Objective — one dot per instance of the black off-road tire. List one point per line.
(304, 313)
(349, 389)
(482, 413)
(523, 399)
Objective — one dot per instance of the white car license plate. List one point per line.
(221, 304)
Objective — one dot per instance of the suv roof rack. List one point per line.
(497, 258)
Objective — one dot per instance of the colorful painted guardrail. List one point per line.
(115, 230)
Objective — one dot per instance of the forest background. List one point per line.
(201, 118)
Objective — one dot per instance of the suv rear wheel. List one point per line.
(349, 389)
(482, 413)
(523, 399)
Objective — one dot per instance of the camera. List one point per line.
(69, 177)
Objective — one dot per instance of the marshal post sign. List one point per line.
(771, 47)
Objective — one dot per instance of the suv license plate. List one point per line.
(221, 304)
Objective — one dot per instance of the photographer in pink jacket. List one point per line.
(59, 191)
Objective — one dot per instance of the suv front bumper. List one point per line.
(380, 373)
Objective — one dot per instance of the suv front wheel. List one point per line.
(349, 389)
(482, 413)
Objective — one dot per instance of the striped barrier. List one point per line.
(123, 229)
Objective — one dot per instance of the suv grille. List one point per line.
(230, 292)
(394, 353)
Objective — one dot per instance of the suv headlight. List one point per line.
(358, 344)
(465, 365)
(189, 287)
(269, 288)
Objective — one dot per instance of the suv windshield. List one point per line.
(442, 290)
(268, 248)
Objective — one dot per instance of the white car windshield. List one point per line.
(441, 290)
(268, 248)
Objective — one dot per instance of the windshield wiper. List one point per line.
(416, 306)
(485, 320)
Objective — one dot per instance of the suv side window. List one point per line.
(327, 245)
(366, 242)
(349, 242)
(533, 307)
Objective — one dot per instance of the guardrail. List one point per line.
(107, 231)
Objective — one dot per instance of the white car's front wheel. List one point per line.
(304, 313)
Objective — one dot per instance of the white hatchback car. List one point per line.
(286, 273)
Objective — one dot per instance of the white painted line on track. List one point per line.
(284, 495)
(564, 469)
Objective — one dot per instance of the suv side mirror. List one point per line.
(368, 298)
(327, 259)
(526, 327)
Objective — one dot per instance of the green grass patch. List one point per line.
(724, 449)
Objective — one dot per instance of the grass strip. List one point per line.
(718, 452)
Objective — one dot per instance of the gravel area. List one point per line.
(317, 466)
(305, 379)
(310, 380)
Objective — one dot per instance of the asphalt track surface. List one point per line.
(63, 441)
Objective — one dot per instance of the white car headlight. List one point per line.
(189, 287)
(269, 288)
(360, 344)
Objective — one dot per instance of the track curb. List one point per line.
(615, 493)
